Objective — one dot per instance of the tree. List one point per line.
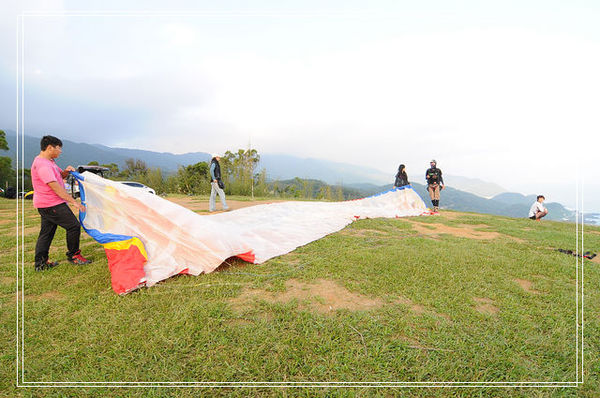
(339, 193)
(3, 142)
(193, 179)
(113, 170)
(307, 188)
(26, 173)
(154, 179)
(134, 169)
(260, 183)
(238, 169)
(7, 174)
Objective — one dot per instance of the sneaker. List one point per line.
(78, 259)
(46, 265)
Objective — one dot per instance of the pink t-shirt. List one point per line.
(44, 171)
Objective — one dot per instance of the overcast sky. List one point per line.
(506, 92)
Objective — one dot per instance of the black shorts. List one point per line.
(532, 218)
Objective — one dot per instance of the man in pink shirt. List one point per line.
(50, 198)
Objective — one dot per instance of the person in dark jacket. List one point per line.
(435, 183)
(216, 184)
(401, 177)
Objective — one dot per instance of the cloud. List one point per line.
(495, 102)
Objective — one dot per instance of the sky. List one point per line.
(503, 91)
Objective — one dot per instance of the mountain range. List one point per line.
(461, 193)
(278, 166)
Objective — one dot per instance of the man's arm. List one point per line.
(441, 179)
(63, 194)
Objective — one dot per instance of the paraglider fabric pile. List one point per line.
(148, 238)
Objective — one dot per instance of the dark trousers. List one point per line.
(51, 218)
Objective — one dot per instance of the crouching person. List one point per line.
(537, 210)
(50, 199)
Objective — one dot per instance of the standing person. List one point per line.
(537, 210)
(401, 177)
(50, 199)
(216, 184)
(435, 183)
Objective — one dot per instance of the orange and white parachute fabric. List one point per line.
(148, 238)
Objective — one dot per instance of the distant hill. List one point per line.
(474, 185)
(78, 153)
(278, 166)
(514, 198)
(505, 204)
(285, 167)
(356, 181)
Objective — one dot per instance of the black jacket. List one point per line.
(433, 175)
(217, 171)
(401, 177)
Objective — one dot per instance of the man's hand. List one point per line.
(80, 207)
(65, 172)
(442, 187)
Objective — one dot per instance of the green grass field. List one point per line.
(459, 297)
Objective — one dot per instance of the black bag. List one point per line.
(221, 184)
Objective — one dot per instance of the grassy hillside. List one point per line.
(459, 297)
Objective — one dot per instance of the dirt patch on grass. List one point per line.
(323, 296)
(485, 305)
(453, 215)
(596, 260)
(52, 295)
(463, 231)
(526, 285)
(5, 280)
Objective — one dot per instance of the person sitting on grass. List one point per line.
(50, 199)
(537, 210)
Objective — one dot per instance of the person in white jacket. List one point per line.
(537, 210)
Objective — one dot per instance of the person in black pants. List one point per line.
(435, 183)
(50, 198)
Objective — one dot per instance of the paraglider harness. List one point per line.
(433, 176)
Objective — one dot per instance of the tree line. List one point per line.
(239, 170)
